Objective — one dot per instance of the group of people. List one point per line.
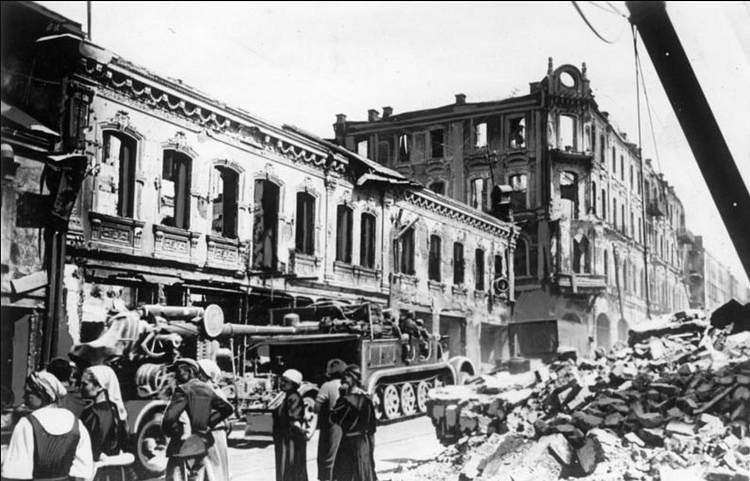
(347, 427)
(83, 435)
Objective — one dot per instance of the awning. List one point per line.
(25, 120)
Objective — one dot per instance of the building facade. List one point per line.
(187, 201)
(712, 284)
(600, 249)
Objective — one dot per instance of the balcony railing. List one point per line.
(174, 243)
(227, 254)
(116, 233)
(581, 283)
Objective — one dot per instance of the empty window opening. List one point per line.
(603, 150)
(518, 183)
(175, 189)
(362, 148)
(117, 175)
(404, 148)
(569, 193)
(435, 260)
(436, 143)
(478, 193)
(344, 234)
(581, 256)
(458, 263)
(593, 198)
(438, 187)
(567, 132)
(517, 133)
(521, 258)
(224, 200)
(614, 160)
(622, 168)
(499, 266)
(367, 241)
(606, 266)
(479, 275)
(305, 225)
(480, 135)
(405, 250)
(265, 225)
(604, 204)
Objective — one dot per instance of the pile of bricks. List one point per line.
(674, 403)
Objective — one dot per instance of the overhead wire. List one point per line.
(591, 27)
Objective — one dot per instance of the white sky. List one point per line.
(303, 63)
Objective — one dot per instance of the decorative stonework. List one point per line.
(228, 254)
(303, 265)
(174, 243)
(235, 125)
(112, 231)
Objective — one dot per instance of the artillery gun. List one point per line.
(141, 345)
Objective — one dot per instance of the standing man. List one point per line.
(355, 414)
(330, 434)
(205, 409)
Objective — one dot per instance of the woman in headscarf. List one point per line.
(106, 421)
(49, 443)
(289, 437)
(355, 413)
(217, 460)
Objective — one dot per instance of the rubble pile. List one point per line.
(672, 404)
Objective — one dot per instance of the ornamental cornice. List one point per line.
(213, 121)
(448, 212)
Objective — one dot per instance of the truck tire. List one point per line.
(408, 399)
(150, 448)
(391, 402)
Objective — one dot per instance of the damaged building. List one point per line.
(188, 201)
(600, 248)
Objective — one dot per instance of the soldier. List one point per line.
(330, 434)
(290, 440)
(187, 451)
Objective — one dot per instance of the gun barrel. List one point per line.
(173, 312)
(249, 330)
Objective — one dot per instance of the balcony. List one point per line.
(575, 283)
(119, 234)
(226, 254)
(174, 243)
(572, 156)
(303, 265)
(656, 208)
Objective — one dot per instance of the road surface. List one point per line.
(395, 445)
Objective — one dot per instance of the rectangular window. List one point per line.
(406, 244)
(175, 189)
(517, 137)
(458, 263)
(436, 143)
(567, 133)
(435, 258)
(367, 241)
(224, 202)
(117, 174)
(420, 146)
(480, 135)
(614, 160)
(265, 224)
(305, 225)
(478, 194)
(518, 183)
(344, 234)
(363, 148)
(479, 270)
(404, 148)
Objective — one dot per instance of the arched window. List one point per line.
(344, 234)
(568, 132)
(116, 195)
(367, 240)
(305, 224)
(224, 198)
(458, 263)
(435, 260)
(175, 189)
(521, 258)
(266, 225)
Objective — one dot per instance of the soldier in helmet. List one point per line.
(330, 434)
(289, 437)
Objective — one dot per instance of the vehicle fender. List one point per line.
(462, 364)
(140, 410)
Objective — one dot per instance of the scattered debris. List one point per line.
(672, 404)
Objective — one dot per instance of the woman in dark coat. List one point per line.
(355, 413)
(289, 436)
(106, 421)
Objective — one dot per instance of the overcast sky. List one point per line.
(303, 63)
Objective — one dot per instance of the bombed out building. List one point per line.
(184, 200)
(600, 247)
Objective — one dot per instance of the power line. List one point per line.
(578, 9)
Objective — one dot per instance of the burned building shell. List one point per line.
(601, 245)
